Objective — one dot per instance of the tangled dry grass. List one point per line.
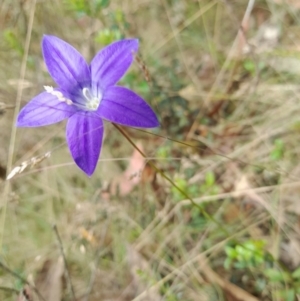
(223, 77)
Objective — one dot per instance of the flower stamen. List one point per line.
(58, 94)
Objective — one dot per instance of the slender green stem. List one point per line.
(186, 144)
(186, 195)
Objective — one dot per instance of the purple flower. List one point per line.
(87, 94)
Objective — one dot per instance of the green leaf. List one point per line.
(288, 295)
(78, 6)
(230, 252)
(13, 41)
(278, 151)
(119, 16)
(296, 274)
(276, 275)
(210, 178)
(227, 263)
(249, 66)
(100, 4)
(107, 36)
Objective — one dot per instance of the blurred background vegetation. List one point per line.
(223, 77)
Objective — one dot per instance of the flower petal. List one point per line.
(65, 64)
(44, 109)
(84, 136)
(111, 63)
(123, 106)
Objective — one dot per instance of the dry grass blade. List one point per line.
(234, 291)
(4, 107)
(187, 23)
(34, 161)
(17, 107)
(237, 163)
(50, 279)
(28, 285)
(124, 183)
(137, 266)
(25, 294)
(65, 262)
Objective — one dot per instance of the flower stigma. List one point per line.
(92, 102)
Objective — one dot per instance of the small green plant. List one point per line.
(183, 185)
(278, 150)
(252, 67)
(11, 39)
(136, 79)
(86, 7)
(287, 284)
(163, 152)
(107, 36)
(209, 186)
(247, 255)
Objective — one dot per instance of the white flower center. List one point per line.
(92, 102)
(87, 101)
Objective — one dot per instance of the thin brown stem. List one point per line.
(23, 280)
(65, 261)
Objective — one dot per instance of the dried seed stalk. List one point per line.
(29, 163)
